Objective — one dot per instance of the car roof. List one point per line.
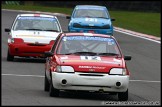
(38, 15)
(89, 6)
(87, 34)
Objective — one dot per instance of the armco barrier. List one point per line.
(12, 2)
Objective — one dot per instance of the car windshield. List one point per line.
(93, 13)
(88, 45)
(36, 23)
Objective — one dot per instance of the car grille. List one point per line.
(100, 75)
(36, 44)
(91, 27)
(86, 73)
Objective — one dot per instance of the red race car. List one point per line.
(86, 62)
(31, 35)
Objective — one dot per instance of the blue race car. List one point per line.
(90, 19)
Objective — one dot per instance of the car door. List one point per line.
(49, 60)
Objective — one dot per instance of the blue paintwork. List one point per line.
(95, 22)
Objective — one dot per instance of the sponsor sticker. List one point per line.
(34, 36)
(92, 67)
(110, 62)
(36, 18)
(116, 60)
(88, 37)
(90, 8)
(64, 57)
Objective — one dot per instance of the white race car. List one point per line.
(31, 35)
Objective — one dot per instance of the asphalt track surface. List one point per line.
(22, 81)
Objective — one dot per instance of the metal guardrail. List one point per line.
(12, 2)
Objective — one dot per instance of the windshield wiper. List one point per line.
(51, 30)
(82, 53)
(108, 54)
(68, 54)
(93, 53)
(103, 17)
(34, 29)
(87, 53)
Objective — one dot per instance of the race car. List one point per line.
(31, 35)
(90, 19)
(86, 62)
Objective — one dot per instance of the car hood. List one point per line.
(91, 21)
(35, 36)
(90, 63)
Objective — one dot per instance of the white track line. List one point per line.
(138, 36)
(43, 76)
(59, 14)
(144, 81)
(22, 75)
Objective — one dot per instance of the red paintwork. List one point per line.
(103, 66)
(82, 34)
(22, 49)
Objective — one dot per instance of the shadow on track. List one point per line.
(27, 60)
(87, 96)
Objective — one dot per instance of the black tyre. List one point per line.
(113, 93)
(123, 96)
(9, 56)
(53, 92)
(46, 84)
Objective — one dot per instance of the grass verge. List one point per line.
(148, 23)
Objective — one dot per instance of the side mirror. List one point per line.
(112, 19)
(7, 30)
(68, 17)
(48, 54)
(127, 58)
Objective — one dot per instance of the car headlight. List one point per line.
(11, 40)
(106, 27)
(77, 25)
(118, 71)
(65, 69)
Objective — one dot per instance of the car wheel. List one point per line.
(46, 84)
(113, 93)
(9, 56)
(123, 96)
(53, 92)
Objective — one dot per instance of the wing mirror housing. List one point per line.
(112, 19)
(48, 54)
(127, 57)
(68, 17)
(7, 30)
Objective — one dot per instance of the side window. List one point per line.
(14, 23)
(55, 44)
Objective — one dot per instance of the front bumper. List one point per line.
(98, 31)
(89, 82)
(24, 50)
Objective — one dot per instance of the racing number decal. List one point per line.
(90, 58)
(91, 19)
